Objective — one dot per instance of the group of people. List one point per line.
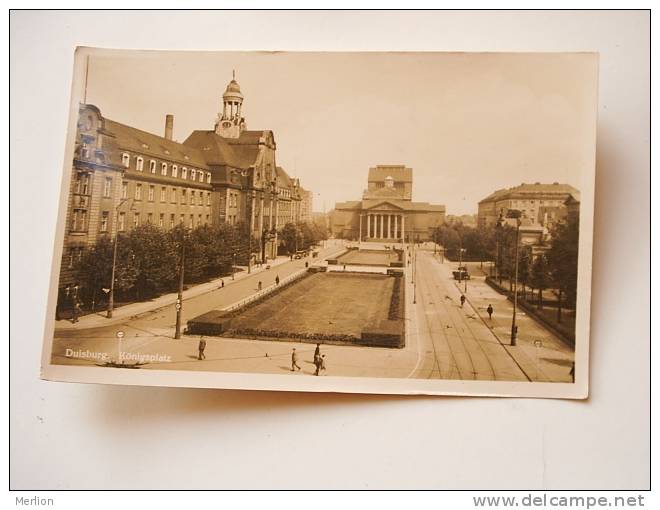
(319, 360)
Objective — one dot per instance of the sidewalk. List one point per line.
(123, 313)
(541, 354)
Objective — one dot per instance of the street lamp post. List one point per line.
(179, 298)
(498, 247)
(514, 327)
(111, 294)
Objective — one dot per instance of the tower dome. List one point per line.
(230, 123)
(233, 90)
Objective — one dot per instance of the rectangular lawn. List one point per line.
(326, 303)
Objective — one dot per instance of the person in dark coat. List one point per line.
(277, 279)
(76, 312)
(294, 360)
(462, 300)
(490, 311)
(201, 347)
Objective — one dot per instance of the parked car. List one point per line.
(461, 273)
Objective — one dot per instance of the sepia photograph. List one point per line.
(365, 222)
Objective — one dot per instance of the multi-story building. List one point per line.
(123, 177)
(289, 199)
(306, 205)
(541, 203)
(386, 211)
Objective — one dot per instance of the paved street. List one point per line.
(443, 340)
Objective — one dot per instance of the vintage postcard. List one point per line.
(406, 223)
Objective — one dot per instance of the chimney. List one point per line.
(169, 126)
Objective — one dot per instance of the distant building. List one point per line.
(468, 220)
(306, 205)
(541, 203)
(386, 211)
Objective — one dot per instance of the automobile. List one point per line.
(461, 273)
(300, 255)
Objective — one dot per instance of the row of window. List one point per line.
(195, 198)
(83, 185)
(165, 169)
(171, 222)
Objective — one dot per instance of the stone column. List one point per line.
(396, 226)
(403, 228)
(380, 225)
(368, 226)
(389, 226)
(360, 236)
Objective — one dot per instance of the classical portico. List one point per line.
(382, 225)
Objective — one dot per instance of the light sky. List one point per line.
(466, 123)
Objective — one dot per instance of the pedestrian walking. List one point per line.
(490, 311)
(294, 360)
(322, 360)
(259, 285)
(277, 281)
(222, 284)
(76, 312)
(200, 348)
(462, 300)
(317, 364)
(317, 351)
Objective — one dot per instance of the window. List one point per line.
(182, 218)
(208, 199)
(151, 193)
(152, 166)
(107, 187)
(192, 220)
(208, 218)
(163, 194)
(150, 217)
(208, 177)
(171, 220)
(163, 169)
(140, 164)
(192, 173)
(184, 173)
(201, 176)
(82, 184)
(199, 219)
(200, 200)
(161, 220)
(173, 198)
(183, 196)
(136, 219)
(104, 221)
(79, 220)
(192, 197)
(138, 192)
(124, 190)
(125, 160)
(121, 224)
(175, 171)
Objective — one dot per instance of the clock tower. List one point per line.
(229, 123)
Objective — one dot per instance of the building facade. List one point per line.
(386, 211)
(123, 177)
(541, 203)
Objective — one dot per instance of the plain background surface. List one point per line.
(94, 436)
